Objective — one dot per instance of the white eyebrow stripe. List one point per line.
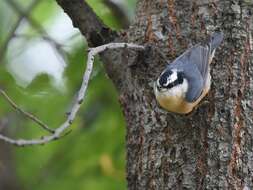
(172, 78)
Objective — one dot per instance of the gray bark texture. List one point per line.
(212, 148)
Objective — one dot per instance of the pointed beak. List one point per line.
(159, 88)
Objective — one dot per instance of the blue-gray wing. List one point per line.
(195, 64)
(201, 55)
(194, 78)
(195, 82)
(197, 55)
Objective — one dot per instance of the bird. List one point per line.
(187, 80)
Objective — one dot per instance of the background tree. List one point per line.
(93, 160)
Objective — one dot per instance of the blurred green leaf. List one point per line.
(92, 156)
(45, 12)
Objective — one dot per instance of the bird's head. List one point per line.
(170, 80)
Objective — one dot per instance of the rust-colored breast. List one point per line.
(178, 104)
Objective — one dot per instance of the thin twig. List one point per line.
(15, 27)
(59, 132)
(26, 114)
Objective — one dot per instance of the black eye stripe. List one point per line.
(180, 77)
(175, 83)
(164, 77)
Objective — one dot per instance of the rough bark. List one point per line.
(212, 148)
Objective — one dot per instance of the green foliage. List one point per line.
(106, 14)
(92, 156)
(45, 10)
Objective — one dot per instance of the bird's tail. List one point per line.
(215, 40)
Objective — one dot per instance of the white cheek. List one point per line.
(179, 90)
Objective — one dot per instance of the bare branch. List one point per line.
(59, 132)
(26, 114)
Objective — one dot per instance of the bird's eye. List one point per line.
(163, 80)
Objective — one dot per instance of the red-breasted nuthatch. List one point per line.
(185, 81)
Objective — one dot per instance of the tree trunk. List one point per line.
(8, 178)
(213, 147)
